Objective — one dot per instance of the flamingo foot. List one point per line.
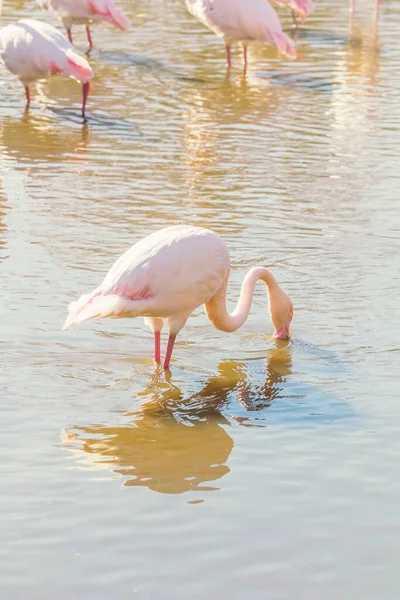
(69, 34)
(228, 55)
(27, 95)
(85, 93)
(89, 39)
(170, 347)
(157, 347)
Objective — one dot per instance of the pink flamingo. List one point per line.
(167, 275)
(242, 21)
(86, 12)
(32, 50)
(301, 7)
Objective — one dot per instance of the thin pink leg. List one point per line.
(89, 38)
(27, 94)
(69, 34)
(351, 19)
(157, 346)
(168, 354)
(245, 55)
(228, 55)
(294, 19)
(376, 11)
(85, 91)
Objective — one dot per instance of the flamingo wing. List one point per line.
(168, 273)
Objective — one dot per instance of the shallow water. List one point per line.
(256, 468)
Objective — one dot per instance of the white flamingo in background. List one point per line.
(32, 50)
(167, 275)
(297, 7)
(86, 12)
(242, 21)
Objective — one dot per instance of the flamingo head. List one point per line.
(281, 311)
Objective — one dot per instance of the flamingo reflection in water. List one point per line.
(175, 444)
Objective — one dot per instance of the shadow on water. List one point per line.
(145, 62)
(178, 443)
(109, 124)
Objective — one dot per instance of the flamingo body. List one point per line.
(32, 50)
(86, 12)
(169, 274)
(242, 21)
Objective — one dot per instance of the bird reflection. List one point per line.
(175, 444)
(36, 139)
(211, 119)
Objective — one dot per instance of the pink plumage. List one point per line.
(169, 274)
(86, 12)
(32, 50)
(300, 7)
(242, 21)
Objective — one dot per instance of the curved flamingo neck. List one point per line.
(216, 307)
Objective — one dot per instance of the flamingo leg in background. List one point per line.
(69, 34)
(85, 92)
(376, 10)
(89, 39)
(27, 94)
(157, 346)
(351, 15)
(168, 354)
(295, 21)
(245, 55)
(228, 55)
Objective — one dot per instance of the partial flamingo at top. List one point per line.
(242, 21)
(86, 12)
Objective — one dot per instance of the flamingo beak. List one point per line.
(282, 333)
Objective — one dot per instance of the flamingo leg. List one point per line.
(85, 93)
(228, 55)
(245, 55)
(376, 10)
(157, 346)
(294, 19)
(69, 34)
(89, 39)
(351, 18)
(27, 94)
(170, 347)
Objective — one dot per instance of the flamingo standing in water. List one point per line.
(86, 12)
(32, 50)
(167, 275)
(242, 21)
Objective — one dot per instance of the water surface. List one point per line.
(256, 468)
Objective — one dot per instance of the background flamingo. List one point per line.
(301, 7)
(167, 275)
(242, 21)
(32, 50)
(86, 12)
